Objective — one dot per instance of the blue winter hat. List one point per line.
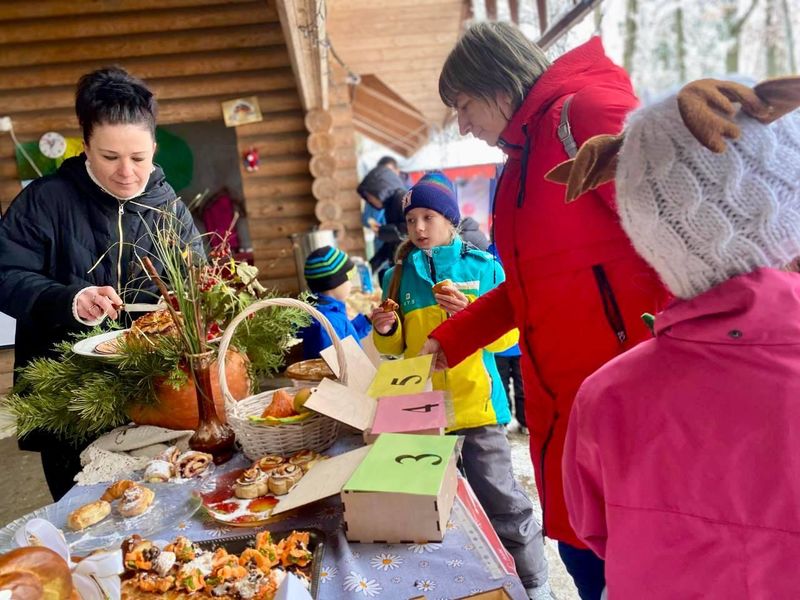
(436, 192)
(326, 268)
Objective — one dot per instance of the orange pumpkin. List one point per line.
(177, 409)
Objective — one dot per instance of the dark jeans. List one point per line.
(509, 367)
(61, 462)
(586, 569)
(486, 460)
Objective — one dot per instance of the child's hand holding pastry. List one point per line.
(450, 298)
(384, 318)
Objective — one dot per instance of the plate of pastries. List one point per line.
(99, 518)
(155, 323)
(245, 497)
(178, 466)
(251, 566)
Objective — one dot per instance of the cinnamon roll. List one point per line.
(269, 462)
(251, 484)
(191, 463)
(158, 471)
(283, 478)
(305, 459)
(135, 500)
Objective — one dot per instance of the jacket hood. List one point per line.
(156, 193)
(469, 224)
(762, 307)
(579, 68)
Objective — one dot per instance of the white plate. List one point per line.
(86, 346)
(171, 505)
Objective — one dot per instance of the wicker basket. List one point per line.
(317, 432)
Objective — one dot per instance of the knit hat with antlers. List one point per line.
(708, 180)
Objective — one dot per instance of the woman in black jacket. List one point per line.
(96, 207)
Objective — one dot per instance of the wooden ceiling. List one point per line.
(403, 43)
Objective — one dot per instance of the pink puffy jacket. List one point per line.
(682, 462)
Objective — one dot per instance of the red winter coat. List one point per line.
(575, 287)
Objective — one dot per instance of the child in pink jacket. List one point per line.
(682, 463)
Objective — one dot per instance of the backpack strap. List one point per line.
(565, 131)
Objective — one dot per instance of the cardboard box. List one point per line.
(393, 396)
(400, 489)
(403, 490)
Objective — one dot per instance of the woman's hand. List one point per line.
(93, 303)
(453, 301)
(382, 321)
(432, 346)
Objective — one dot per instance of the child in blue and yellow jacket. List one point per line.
(435, 254)
(327, 275)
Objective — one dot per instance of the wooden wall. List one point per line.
(194, 54)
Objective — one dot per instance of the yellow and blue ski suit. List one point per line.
(478, 395)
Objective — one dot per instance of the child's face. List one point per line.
(342, 291)
(428, 228)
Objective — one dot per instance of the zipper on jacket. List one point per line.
(119, 255)
(523, 176)
(433, 267)
(610, 306)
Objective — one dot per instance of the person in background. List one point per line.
(508, 365)
(377, 188)
(67, 241)
(327, 275)
(435, 254)
(470, 231)
(681, 465)
(576, 288)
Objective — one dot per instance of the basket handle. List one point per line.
(275, 302)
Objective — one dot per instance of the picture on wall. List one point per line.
(241, 111)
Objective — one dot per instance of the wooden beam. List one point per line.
(513, 7)
(491, 10)
(566, 21)
(163, 65)
(147, 21)
(303, 25)
(145, 44)
(25, 9)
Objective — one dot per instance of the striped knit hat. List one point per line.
(436, 192)
(326, 268)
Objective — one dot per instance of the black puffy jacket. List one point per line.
(55, 231)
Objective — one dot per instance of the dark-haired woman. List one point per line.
(575, 287)
(96, 207)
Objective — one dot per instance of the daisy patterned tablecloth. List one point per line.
(470, 559)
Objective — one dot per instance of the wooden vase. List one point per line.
(178, 409)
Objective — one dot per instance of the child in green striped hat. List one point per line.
(326, 271)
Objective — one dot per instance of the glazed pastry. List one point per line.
(439, 287)
(135, 500)
(116, 489)
(269, 462)
(88, 514)
(192, 463)
(251, 484)
(389, 305)
(283, 478)
(158, 471)
(107, 347)
(170, 455)
(305, 459)
(35, 572)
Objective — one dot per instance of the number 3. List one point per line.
(437, 460)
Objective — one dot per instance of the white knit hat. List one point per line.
(698, 217)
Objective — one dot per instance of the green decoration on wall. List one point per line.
(175, 156)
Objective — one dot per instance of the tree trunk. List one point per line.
(773, 66)
(631, 18)
(681, 41)
(787, 20)
(734, 26)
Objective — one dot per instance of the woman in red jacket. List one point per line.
(575, 287)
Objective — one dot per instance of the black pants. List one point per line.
(61, 462)
(509, 368)
(586, 568)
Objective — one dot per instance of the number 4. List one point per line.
(422, 409)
